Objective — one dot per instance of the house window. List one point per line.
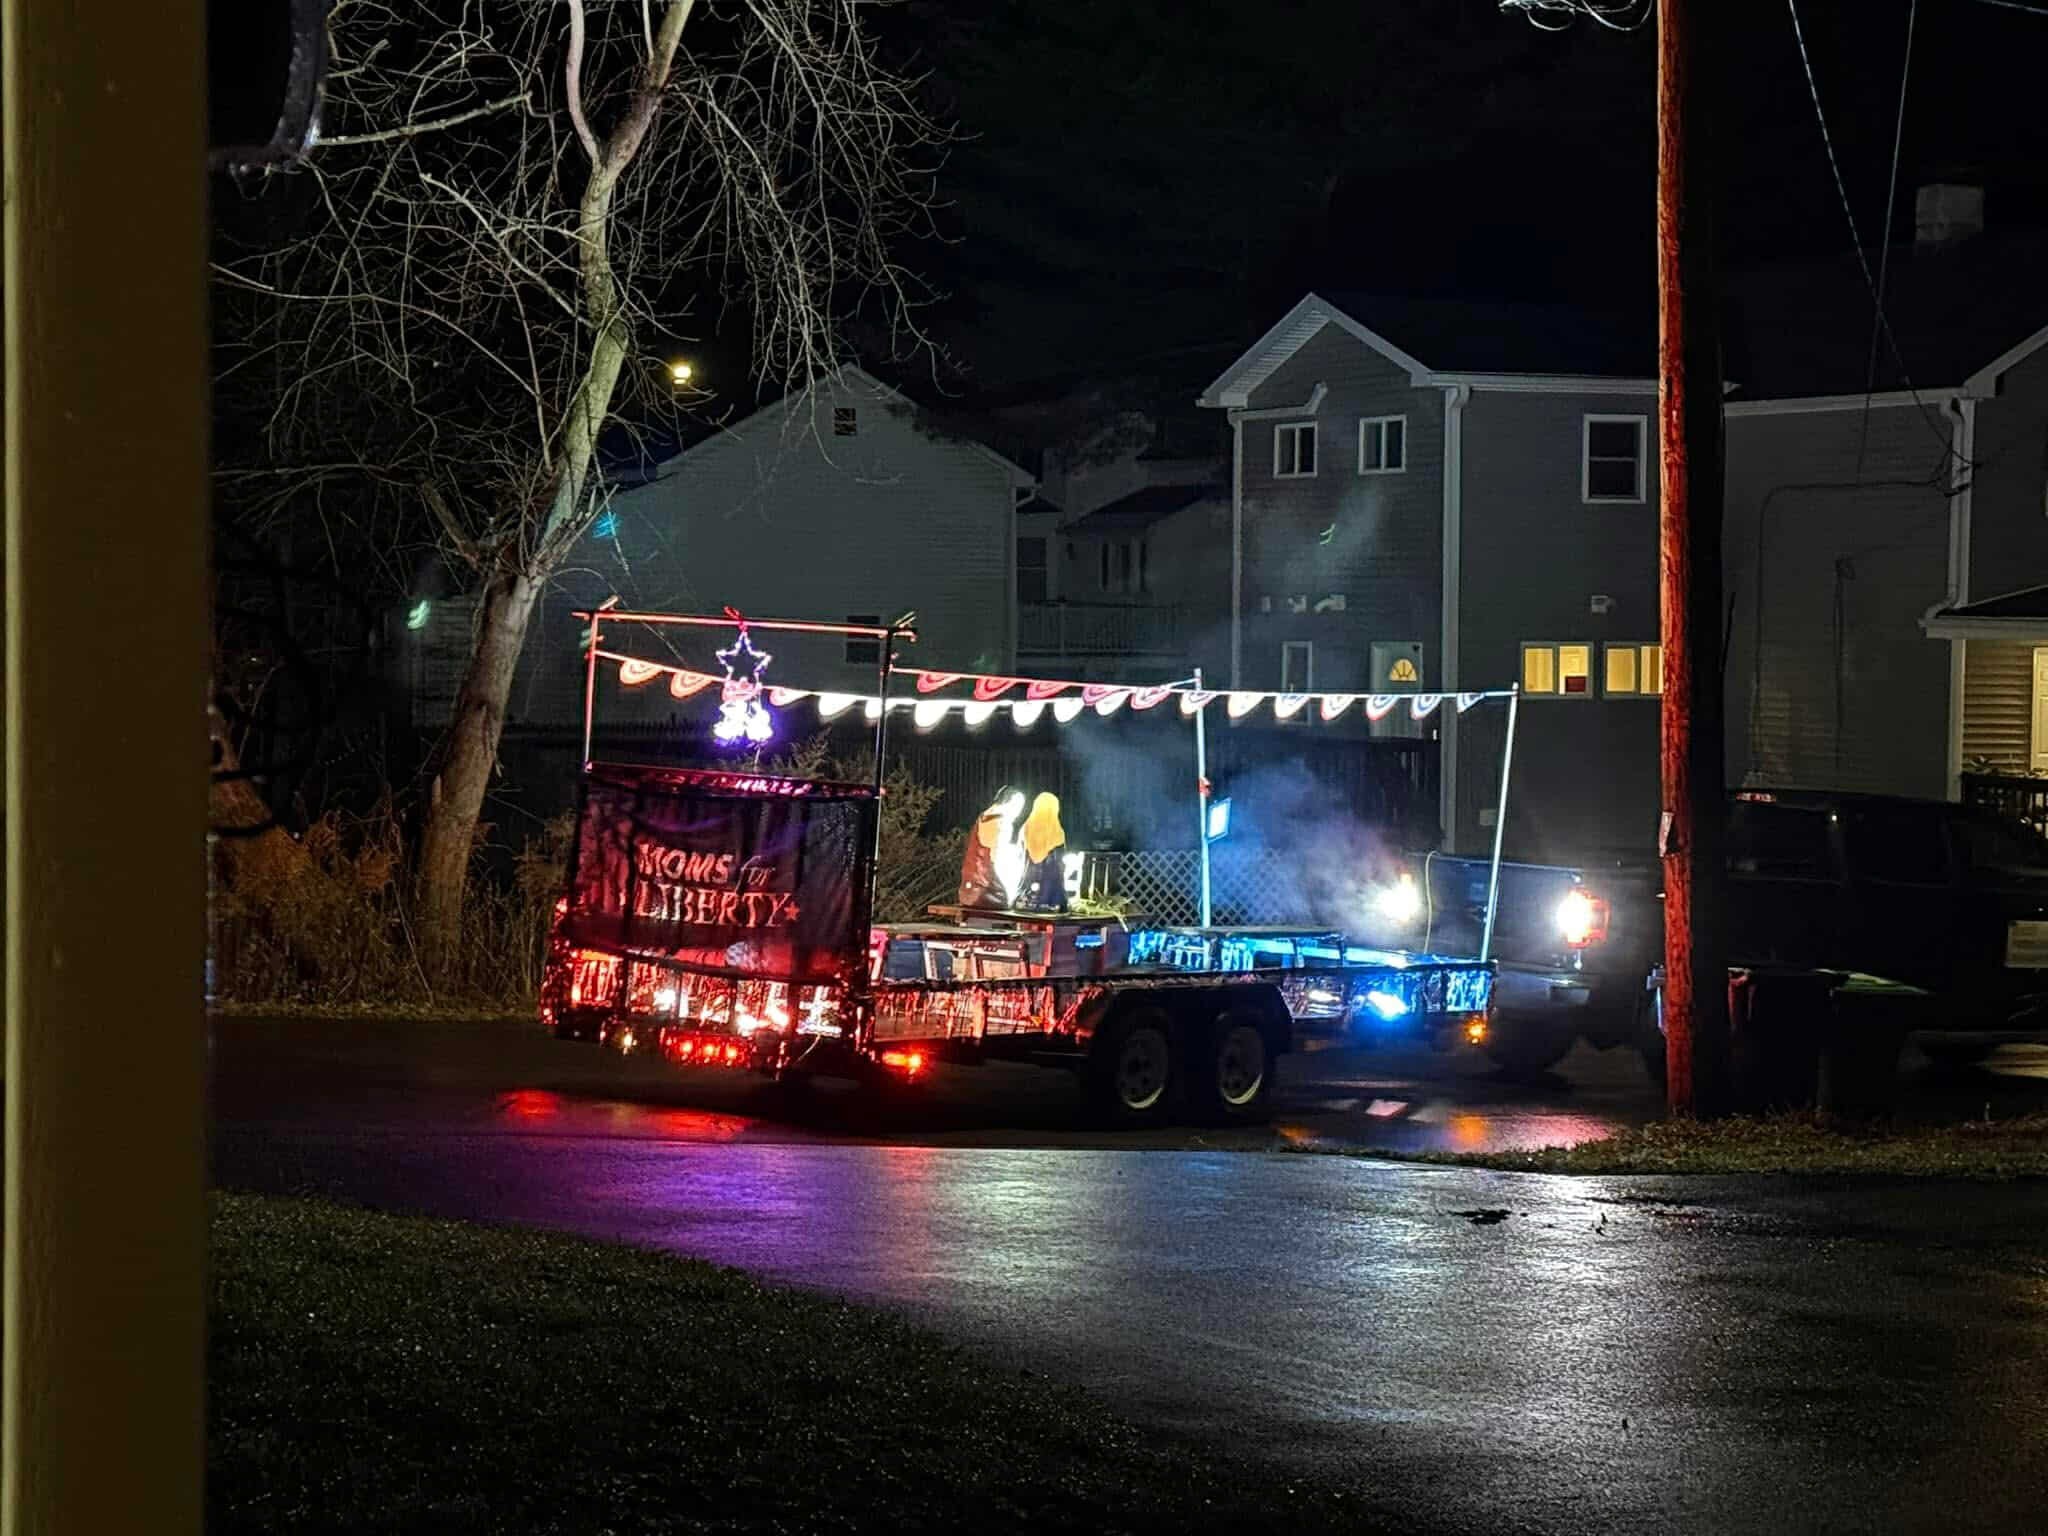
(1297, 671)
(1614, 459)
(1031, 571)
(845, 421)
(1126, 572)
(861, 651)
(1144, 580)
(1294, 450)
(1633, 670)
(1102, 580)
(1553, 669)
(1382, 445)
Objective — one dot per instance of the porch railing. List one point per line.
(2022, 799)
(1098, 629)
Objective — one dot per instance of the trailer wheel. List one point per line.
(1232, 1069)
(1132, 1071)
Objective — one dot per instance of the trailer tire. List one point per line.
(1134, 1070)
(1230, 1069)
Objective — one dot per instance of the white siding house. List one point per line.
(837, 503)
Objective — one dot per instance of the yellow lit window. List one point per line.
(1621, 669)
(1633, 671)
(1574, 669)
(1539, 669)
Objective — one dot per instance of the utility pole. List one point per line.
(1691, 830)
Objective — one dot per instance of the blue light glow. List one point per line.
(1386, 1005)
(606, 526)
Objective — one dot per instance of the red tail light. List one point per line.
(909, 1063)
(1582, 919)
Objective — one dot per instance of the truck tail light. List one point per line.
(1582, 919)
(909, 1063)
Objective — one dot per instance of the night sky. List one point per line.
(1155, 174)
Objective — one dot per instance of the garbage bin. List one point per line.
(1859, 1061)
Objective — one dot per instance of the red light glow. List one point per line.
(909, 1063)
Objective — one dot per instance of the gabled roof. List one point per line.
(862, 382)
(1446, 341)
(1142, 508)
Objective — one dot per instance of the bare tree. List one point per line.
(511, 202)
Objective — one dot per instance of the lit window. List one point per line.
(1294, 450)
(1558, 671)
(1382, 445)
(1634, 670)
(845, 421)
(1613, 458)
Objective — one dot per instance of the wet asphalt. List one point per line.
(1477, 1351)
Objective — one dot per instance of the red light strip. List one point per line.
(702, 621)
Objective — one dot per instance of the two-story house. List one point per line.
(1453, 496)
(1441, 496)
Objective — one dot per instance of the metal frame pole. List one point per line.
(1202, 798)
(1500, 823)
(589, 689)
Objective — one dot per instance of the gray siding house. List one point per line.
(1885, 536)
(842, 502)
(1441, 497)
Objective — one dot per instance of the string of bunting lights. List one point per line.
(1065, 700)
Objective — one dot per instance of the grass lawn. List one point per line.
(379, 1373)
(1992, 1149)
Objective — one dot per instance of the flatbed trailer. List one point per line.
(723, 918)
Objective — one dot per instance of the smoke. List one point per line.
(1283, 824)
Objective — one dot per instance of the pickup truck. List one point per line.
(1951, 899)
(1551, 938)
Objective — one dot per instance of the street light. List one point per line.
(679, 374)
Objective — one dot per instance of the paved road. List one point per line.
(1608, 1355)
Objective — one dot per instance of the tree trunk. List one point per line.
(468, 756)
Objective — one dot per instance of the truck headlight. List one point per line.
(1400, 902)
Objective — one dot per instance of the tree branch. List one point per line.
(414, 130)
(573, 77)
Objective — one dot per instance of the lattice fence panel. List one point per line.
(1165, 884)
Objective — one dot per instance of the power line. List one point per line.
(2016, 5)
(1885, 234)
(1856, 239)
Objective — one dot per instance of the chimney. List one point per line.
(1946, 213)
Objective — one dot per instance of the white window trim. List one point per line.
(1594, 659)
(1308, 684)
(1282, 428)
(1638, 647)
(1586, 425)
(1369, 421)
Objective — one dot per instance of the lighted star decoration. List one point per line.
(742, 716)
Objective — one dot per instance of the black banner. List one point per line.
(739, 874)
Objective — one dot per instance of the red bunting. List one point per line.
(1045, 690)
(1095, 693)
(987, 688)
(683, 684)
(932, 682)
(1145, 698)
(633, 673)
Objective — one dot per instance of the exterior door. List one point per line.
(2038, 760)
